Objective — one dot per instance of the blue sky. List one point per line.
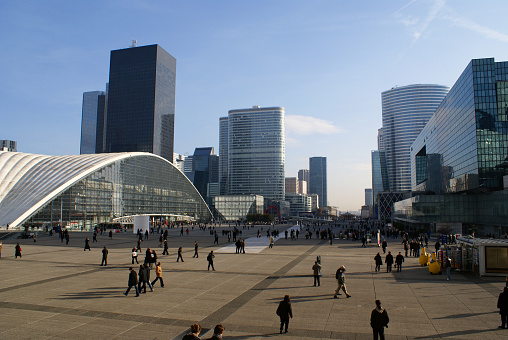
(326, 62)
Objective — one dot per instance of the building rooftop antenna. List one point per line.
(134, 43)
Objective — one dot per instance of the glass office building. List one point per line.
(223, 155)
(318, 179)
(406, 110)
(92, 122)
(464, 150)
(256, 152)
(237, 207)
(82, 191)
(141, 101)
(379, 174)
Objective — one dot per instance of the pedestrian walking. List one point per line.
(17, 251)
(196, 247)
(158, 274)
(147, 272)
(87, 244)
(166, 247)
(378, 321)
(389, 262)
(341, 282)
(134, 256)
(210, 258)
(133, 282)
(104, 256)
(384, 244)
(284, 311)
(94, 239)
(111, 234)
(195, 329)
(138, 246)
(216, 240)
(179, 255)
(502, 304)
(67, 237)
(142, 274)
(271, 242)
(378, 261)
(448, 267)
(398, 262)
(217, 332)
(317, 269)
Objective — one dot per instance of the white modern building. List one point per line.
(84, 190)
(255, 152)
(406, 111)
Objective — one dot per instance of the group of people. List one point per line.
(378, 261)
(141, 279)
(195, 330)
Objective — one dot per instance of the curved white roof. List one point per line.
(28, 181)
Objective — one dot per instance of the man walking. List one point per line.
(341, 282)
(133, 282)
(378, 321)
(448, 266)
(284, 311)
(389, 262)
(166, 246)
(158, 275)
(196, 247)
(179, 255)
(210, 258)
(87, 245)
(316, 268)
(217, 332)
(398, 262)
(104, 256)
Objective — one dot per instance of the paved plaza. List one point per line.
(59, 291)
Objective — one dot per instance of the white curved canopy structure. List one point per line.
(30, 182)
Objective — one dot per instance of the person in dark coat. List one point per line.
(316, 269)
(378, 262)
(196, 247)
(398, 262)
(217, 332)
(142, 279)
(210, 258)
(166, 246)
(389, 262)
(284, 311)
(502, 304)
(384, 244)
(104, 256)
(133, 282)
(378, 321)
(179, 255)
(17, 251)
(195, 329)
(87, 245)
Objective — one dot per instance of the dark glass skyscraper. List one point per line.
(205, 171)
(141, 101)
(317, 179)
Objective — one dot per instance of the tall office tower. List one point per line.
(368, 196)
(141, 101)
(380, 141)
(303, 181)
(406, 110)
(178, 161)
(291, 185)
(8, 145)
(92, 122)
(379, 174)
(205, 170)
(256, 152)
(317, 179)
(223, 155)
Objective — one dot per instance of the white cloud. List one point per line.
(418, 26)
(306, 125)
(473, 26)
